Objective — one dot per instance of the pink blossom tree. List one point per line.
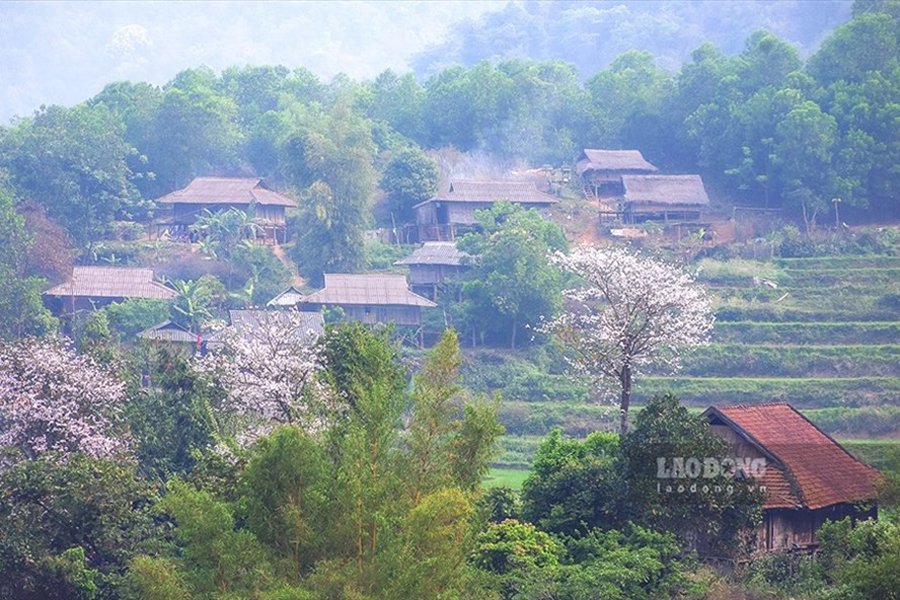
(271, 372)
(54, 399)
(632, 313)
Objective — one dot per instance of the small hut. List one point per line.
(602, 170)
(666, 198)
(95, 287)
(808, 477)
(247, 194)
(433, 264)
(169, 333)
(378, 298)
(444, 216)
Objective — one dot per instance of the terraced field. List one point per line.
(821, 333)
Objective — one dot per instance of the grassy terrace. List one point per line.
(794, 360)
(801, 392)
(846, 333)
(831, 348)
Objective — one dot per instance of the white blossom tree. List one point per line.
(631, 314)
(270, 370)
(54, 399)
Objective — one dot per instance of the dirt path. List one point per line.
(278, 251)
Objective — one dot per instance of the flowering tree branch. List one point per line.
(271, 372)
(54, 399)
(631, 314)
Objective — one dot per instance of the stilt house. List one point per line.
(808, 479)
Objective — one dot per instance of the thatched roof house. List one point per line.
(224, 193)
(671, 190)
(613, 161)
(602, 170)
(808, 478)
(377, 298)
(439, 217)
(667, 198)
(93, 286)
(434, 263)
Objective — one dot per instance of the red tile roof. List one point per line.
(813, 470)
(112, 282)
(226, 190)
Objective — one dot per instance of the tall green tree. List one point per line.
(21, 309)
(409, 178)
(513, 285)
(330, 159)
(75, 162)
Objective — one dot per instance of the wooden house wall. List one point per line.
(376, 313)
(186, 214)
(462, 213)
(426, 214)
(432, 274)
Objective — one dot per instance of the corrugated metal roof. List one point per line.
(287, 298)
(246, 321)
(112, 282)
(520, 192)
(818, 470)
(435, 253)
(167, 331)
(226, 190)
(372, 290)
(613, 160)
(664, 189)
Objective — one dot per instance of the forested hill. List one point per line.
(56, 53)
(591, 35)
(763, 127)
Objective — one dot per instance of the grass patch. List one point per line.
(801, 392)
(512, 478)
(873, 452)
(859, 277)
(736, 272)
(786, 314)
(739, 360)
(750, 332)
(840, 262)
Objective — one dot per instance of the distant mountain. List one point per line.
(592, 34)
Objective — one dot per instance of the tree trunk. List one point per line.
(626, 399)
(512, 342)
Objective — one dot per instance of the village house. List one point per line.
(446, 216)
(249, 322)
(173, 335)
(602, 170)
(808, 477)
(289, 298)
(95, 287)
(433, 264)
(377, 298)
(667, 198)
(247, 194)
